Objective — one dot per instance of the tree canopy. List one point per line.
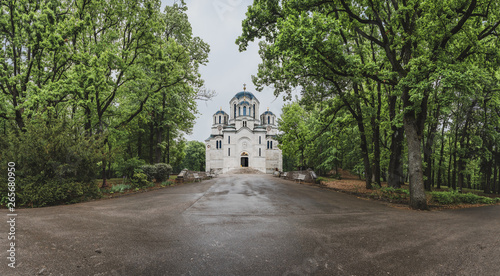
(405, 60)
(121, 72)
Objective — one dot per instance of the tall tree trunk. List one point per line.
(429, 148)
(104, 162)
(450, 159)
(376, 137)
(356, 112)
(495, 175)
(433, 173)
(454, 172)
(167, 150)
(395, 169)
(151, 141)
(487, 178)
(441, 156)
(139, 145)
(159, 140)
(455, 165)
(366, 161)
(429, 143)
(418, 198)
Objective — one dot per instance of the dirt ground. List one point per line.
(352, 184)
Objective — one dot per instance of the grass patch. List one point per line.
(453, 197)
(391, 194)
(167, 183)
(120, 188)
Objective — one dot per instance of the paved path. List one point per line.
(251, 225)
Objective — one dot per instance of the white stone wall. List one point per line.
(241, 135)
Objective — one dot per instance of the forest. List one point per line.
(396, 91)
(94, 89)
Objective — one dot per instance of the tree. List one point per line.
(412, 44)
(195, 156)
(295, 134)
(111, 71)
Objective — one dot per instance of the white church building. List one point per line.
(243, 138)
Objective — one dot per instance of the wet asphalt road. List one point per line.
(251, 225)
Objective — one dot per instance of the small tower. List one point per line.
(220, 118)
(268, 118)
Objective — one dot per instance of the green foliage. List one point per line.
(140, 180)
(162, 171)
(167, 183)
(194, 159)
(321, 179)
(392, 194)
(294, 137)
(420, 64)
(127, 167)
(53, 165)
(120, 188)
(454, 197)
(136, 77)
(149, 171)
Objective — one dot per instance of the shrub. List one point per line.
(454, 197)
(128, 167)
(486, 200)
(54, 164)
(150, 171)
(162, 171)
(321, 179)
(393, 193)
(468, 198)
(120, 188)
(167, 183)
(139, 180)
(443, 197)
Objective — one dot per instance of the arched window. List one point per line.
(271, 143)
(228, 152)
(244, 111)
(254, 111)
(260, 140)
(239, 110)
(267, 144)
(219, 119)
(259, 152)
(250, 111)
(217, 144)
(234, 110)
(229, 139)
(268, 120)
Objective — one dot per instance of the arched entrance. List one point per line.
(244, 159)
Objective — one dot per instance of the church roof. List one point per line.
(268, 113)
(244, 102)
(220, 112)
(245, 94)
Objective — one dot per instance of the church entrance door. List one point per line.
(244, 161)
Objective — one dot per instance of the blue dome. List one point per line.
(244, 102)
(268, 113)
(220, 112)
(245, 94)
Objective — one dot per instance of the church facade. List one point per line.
(243, 137)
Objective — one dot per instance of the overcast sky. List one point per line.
(218, 23)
